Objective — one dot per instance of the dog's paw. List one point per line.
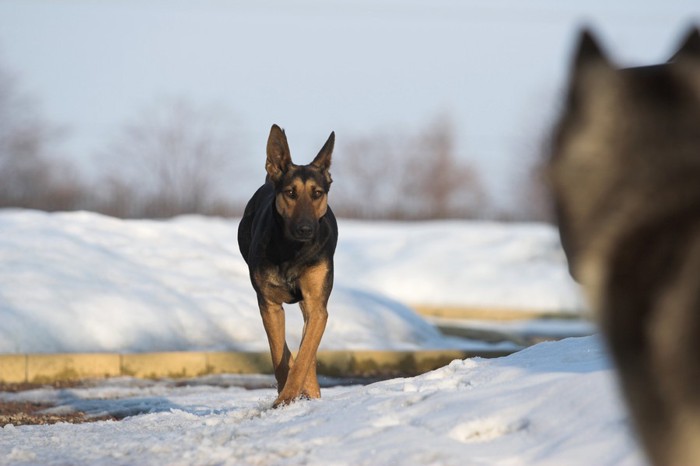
(280, 403)
(285, 400)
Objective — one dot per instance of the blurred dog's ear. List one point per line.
(589, 53)
(590, 68)
(690, 47)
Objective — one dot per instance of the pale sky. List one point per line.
(494, 67)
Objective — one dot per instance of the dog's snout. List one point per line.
(304, 231)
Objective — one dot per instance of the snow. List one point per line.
(85, 282)
(523, 332)
(550, 404)
(453, 263)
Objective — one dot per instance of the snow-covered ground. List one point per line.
(85, 282)
(551, 404)
(82, 282)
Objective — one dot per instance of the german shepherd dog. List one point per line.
(288, 236)
(625, 174)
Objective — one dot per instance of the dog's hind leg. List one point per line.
(274, 323)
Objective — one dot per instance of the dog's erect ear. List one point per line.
(590, 67)
(588, 52)
(690, 47)
(278, 157)
(323, 160)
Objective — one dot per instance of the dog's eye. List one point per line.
(317, 195)
(291, 194)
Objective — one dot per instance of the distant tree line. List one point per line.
(407, 176)
(167, 162)
(174, 158)
(31, 174)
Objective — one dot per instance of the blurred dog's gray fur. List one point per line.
(625, 174)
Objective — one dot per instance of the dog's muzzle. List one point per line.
(304, 231)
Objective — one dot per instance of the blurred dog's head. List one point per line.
(623, 137)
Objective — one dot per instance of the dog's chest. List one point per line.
(282, 283)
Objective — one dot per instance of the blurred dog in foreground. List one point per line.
(288, 236)
(625, 174)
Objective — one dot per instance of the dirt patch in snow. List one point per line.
(25, 413)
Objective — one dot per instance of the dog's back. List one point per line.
(625, 171)
(259, 207)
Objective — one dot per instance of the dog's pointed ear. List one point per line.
(323, 160)
(590, 65)
(589, 53)
(278, 157)
(690, 47)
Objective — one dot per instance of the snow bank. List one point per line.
(551, 404)
(83, 282)
(458, 263)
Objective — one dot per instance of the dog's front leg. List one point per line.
(310, 387)
(315, 286)
(273, 321)
(301, 370)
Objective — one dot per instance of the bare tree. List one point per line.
(533, 199)
(169, 161)
(408, 177)
(31, 175)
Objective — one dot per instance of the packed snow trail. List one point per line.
(554, 403)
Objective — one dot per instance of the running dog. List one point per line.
(625, 174)
(288, 236)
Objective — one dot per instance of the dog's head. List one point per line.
(624, 135)
(301, 191)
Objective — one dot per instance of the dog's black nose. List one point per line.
(304, 231)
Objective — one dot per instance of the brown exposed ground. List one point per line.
(24, 413)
